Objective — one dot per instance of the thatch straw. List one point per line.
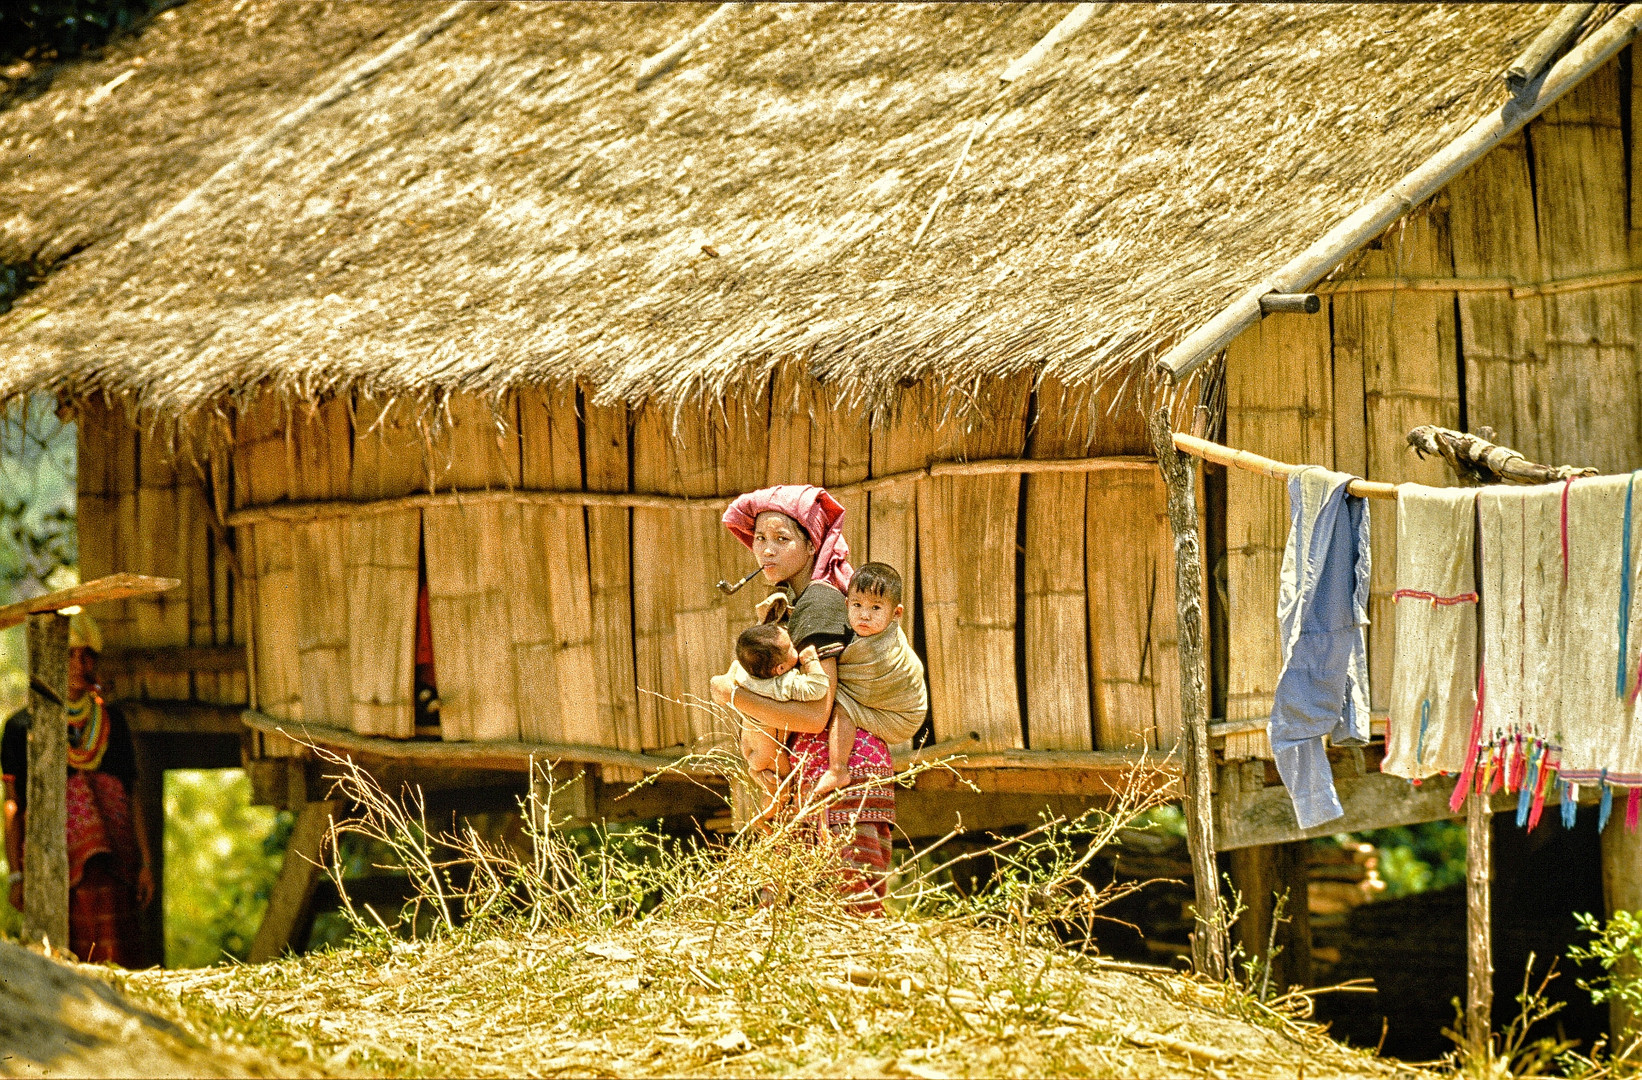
(501, 207)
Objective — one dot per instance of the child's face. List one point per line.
(789, 659)
(870, 614)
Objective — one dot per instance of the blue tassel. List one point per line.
(1525, 795)
(1625, 589)
(1605, 809)
(1570, 803)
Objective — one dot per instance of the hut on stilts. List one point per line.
(507, 301)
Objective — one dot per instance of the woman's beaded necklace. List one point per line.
(87, 731)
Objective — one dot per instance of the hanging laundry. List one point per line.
(1522, 592)
(1322, 608)
(1434, 674)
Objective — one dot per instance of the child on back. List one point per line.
(767, 663)
(880, 679)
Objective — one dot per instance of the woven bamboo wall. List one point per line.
(142, 510)
(1556, 376)
(600, 625)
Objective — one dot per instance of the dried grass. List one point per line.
(639, 956)
(503, 208)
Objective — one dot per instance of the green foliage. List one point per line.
(221, 858)
(38, 548)
(1418, 858)
(49, 29)
(1617, 946)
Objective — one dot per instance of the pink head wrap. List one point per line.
(816, 512)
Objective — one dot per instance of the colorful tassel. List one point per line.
(1604, 809)
(1570, 803)
(1633, 809)
(1625, 592)
(1525, 794)
(1473, 750)
(1425, 722)
(1541, 783)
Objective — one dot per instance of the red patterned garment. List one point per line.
(102, 898)
(860, 823)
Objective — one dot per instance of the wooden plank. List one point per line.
(610, 579)
(1131, 609)
(901, 440)
(1494, 228)
(1479, 928)
(1622, 891)
(162, 550)
(104, 590)
(469, 552)
(207, 659)
(181, 717)
(298, 875)
(968, 589)
(381, 572)
(1060, 705)
(1595, 413)
(1409, 355)
(45, 825)
(558, 684)
(389, 460)
(1280, 402)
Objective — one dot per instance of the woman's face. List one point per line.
(82, 671)
(782, 549)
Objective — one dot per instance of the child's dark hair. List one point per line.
(759, 650)
(877, 579)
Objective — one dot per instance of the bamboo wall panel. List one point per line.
(968, 589)
(552, 615)
(106, 488)
(1590, 335)
(160, 619)
(657, 552)
(1279, 403)
(901, 441)
(1059, 656)
(1130, 555)
(389, 459)
(610, 578)
(813, 440)
(195, 516)
(382, 551)
(272, 559)
(1408, 351)
(321, 457)
(1495, 233)
(470, 554)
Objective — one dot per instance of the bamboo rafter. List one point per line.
(330, 508)
(1242, 459)
(1518, 290)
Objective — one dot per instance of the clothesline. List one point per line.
(1242, 459)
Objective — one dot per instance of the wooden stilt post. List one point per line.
(298, 876)
(148, 802)
(1479, 964)
(1622, 891)
(1262, 875)
(45, 829)
(1208, 943)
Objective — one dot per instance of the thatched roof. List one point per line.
(501, 206)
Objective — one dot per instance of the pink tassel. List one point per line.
(1473, 752)
(1633, 809)
(1544, 772)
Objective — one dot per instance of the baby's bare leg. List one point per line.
(840, 744)
(764, 755)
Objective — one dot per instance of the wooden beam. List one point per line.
(1208, 942)
(1291, 303)
(1242, 459)
(1622, 891)
(294, 888)
(172, 660)
(45, 826)
(113, 587)
(1479, 936)
(183, 717)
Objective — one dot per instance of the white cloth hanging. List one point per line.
(1434, 681)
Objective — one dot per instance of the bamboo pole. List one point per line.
(1374, 217)
(664, 61)
(1532, 60)
(1479, 952)
(1242, 459)
(45, 825)
(327, 508)
(1208, 943)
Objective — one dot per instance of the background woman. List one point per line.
(796, 532)
(110, 869)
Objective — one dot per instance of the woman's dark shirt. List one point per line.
(119, 760)
(819, 617)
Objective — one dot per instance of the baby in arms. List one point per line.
(880, 680)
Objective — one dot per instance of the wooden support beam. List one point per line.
(182, 717)
(1622, 891)
(298, 875)
(45, 825)
(1479, 938)
(173, 660)
(1266, 878)
(1290, 303)
(113, 587)
(1208, 944)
